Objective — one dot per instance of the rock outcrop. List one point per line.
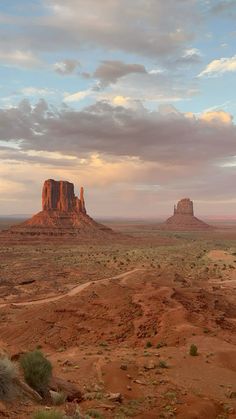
(63, 214)
(59, 195)
(184, 207)
(184, 219)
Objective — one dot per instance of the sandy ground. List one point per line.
(128, 325)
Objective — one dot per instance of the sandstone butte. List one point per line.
(63, 214)
(184, 219)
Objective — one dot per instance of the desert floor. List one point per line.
(120, 317)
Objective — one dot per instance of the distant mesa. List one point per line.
(184, 219)
(63, 214)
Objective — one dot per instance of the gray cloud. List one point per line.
(153, 28)
(141, 149)
(165, 137)
(110, 71)
(65, 67)
(225, 7)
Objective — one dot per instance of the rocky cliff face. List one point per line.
(184, 206)
(59, 195)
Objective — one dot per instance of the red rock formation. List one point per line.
(62, 213)
(185, 206)
(184, 219)
(59, 195)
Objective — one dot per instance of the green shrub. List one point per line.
(161, 345)
(148, 344)
(163, 364)
(37, 371)
(48, 414)
(193, 351)
(8, 372)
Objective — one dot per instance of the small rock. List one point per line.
(115, 397)
(123, 367)
(97, 388)
(139, 382)
(150, 366)
(68, 363)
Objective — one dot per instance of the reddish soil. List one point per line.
(130, 332)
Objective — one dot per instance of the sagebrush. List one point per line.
(37, 371)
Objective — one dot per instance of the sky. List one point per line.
(133, 99)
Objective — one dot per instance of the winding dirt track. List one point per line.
(74, 291)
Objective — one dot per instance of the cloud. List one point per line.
(65, 67)
(189, 57)
(154, 28)
(110, 71)
(219, 67)
(18, 58)
(138, 87)
(78, 96)
(166, 136)
(121, 101)
(121, 152)
(35, 91)
(216, 117)
(224, 7)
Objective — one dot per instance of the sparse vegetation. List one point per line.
(92, 413)
(163, 364)
(193, 350)
(69, 264)
(161, 345)
(37, 371)
(8, 372)
(48, 414)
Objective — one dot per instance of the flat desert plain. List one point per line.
(117, 320)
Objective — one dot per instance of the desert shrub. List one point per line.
(37, 371)
(48, 414)
(149, 344)
(92, 413)
(163, 364)
(193, 351)
(8, 372)
(161, 345)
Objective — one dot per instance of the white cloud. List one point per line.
(78, 96)
(219, 67)
(19, 58)
(192, 52)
